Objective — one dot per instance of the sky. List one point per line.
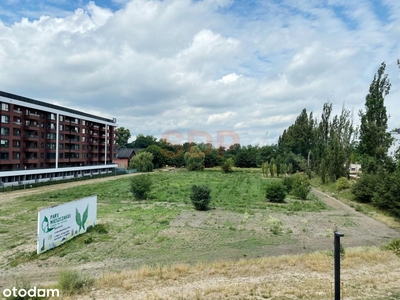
(220, 71)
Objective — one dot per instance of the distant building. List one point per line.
(40, 141)
(355, 169)
(124, 156)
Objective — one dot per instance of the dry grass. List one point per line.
(367, 273)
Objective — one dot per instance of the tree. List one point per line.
(194, 159)
(375, 141)
(142, 162)
(158, 158)
(122, 136)
(142, 141)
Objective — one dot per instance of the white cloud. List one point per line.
(201, 65)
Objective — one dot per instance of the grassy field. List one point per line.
(165, 238)
(238, 225)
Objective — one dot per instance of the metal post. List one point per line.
(25, 178)
(338, 235)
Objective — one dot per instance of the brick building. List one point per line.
(41, 141)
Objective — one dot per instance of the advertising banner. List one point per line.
(60, 223)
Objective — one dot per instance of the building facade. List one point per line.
(41, 141)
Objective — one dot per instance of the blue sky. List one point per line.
(242, 66)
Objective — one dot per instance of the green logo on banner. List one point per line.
(46, 225)
(81, 221)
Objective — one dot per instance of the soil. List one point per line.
(313, 230)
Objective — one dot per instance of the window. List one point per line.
(83, 139)
(41, 155)
(42, 135)
(17, 155)
(51, 126)
(83, 155)
(83, 130)
(61, 118)
(83, 147)
(41, 145)
(4, 155)
(61, 146)
(5, 119)
(5, 131)
(51, 145)
(61, 155)
(61, 137)
(3, 143)
(51, 116)
(42, 125)
(61, 127)
(51, 136)
(83, 122)
(51, 155)
(5, 107)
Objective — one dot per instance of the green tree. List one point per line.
(227, 165)
(142, 162)
(374, 138)
(194, 159)
(143, 142)
(158, 158)
(122, 136)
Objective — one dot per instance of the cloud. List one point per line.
(201, 65)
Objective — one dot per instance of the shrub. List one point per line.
(194, 159)
(301, 186)
(71, 282)
(342, 183)
(288, 183)
(364, 188)
(142, 162)
(227, 165)
(275, 191)
(200, 196)
(394, 246)
(141, 186)
(26, 285)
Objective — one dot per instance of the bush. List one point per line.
(200, 196)
(71, 282)
(275, 191)
(227, 165)
(141, 186)
(194, 159)
(301, 186)
(394, 246)
(26, 285)
(288, 183)
(342, 183)
(364, 188)
(142, 162)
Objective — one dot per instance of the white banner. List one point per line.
(58, 224)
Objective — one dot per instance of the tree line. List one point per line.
(323, 146)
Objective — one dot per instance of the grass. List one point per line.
(141, 230)
(306, 276)
(164, 238)
(347, 197)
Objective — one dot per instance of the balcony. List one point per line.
(31, 126)
(17, 123)
(18, 111)
(30, 160)
(12, 161)
(31, 149)
(30, 115)
(31, 137)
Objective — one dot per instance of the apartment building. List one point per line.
(40, 141)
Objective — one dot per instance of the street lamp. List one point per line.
(25, 178)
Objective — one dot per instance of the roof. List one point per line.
(45, 104)
(126, 152)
